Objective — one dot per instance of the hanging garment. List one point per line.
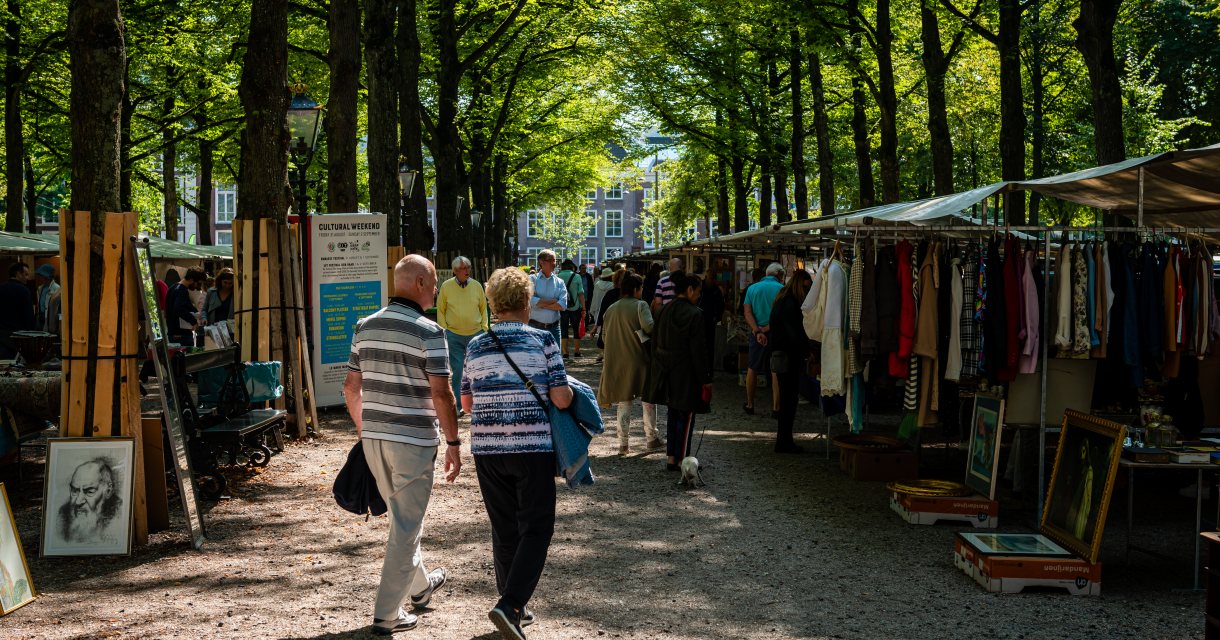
(813, 308)
(855, 303)
(1101, 305)
(967, 326)
(995, 322)
(1063, 298)
(980, 310)
(910, 395)
(1012, 310)
(1127, 304)
(868, 303)
(927, 335)
(1169, 309)
(900, 359)
(1150, 280)
(953, 358)
(888, 301)
(1090, 295)
(1080, 284)
(1031, 338)
(834, 294)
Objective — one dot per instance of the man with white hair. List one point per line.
(759, 299)
(461, 310)
(397, 391)
(550, 296)
(665, 287)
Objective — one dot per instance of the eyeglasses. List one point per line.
(546, 259)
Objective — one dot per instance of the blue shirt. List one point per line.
(761, 296)
(505, 415)
(545, 288)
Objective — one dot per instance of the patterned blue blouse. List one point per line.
(505, 416)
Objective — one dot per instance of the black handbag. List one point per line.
(355, 488)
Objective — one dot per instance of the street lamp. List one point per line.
(406, 182)
(476, 217)
(304, 120)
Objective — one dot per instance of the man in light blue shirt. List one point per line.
(759, 299)
(550, 295)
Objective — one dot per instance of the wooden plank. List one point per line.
(305, 359)
(129, 386)
(394, 254)
(247, 279)
(277, 347)
(67, 238)
(105, 394)
(264, 293)
(73, 422)
(292, 351)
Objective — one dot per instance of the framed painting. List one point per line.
(1014, 544)
(1082, 482)
(16, 584)
(88, 495)
(983, 461)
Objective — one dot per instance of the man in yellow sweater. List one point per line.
(461, 309)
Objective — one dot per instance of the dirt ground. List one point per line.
(772, 547)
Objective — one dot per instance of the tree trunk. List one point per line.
(723, 223)
(783, 212)
(1012, 108)
(262, 188)
(499, 208)
(125, 168)
(169, 177)
(741, 210)
(821, 132)
(31, 196)
(936, 65)
(98, 63)
(1095, 40)
(864, 152)
(887, 103)
(203, 195)
(14, 136)
(1037, 85)
(382, 73)
(446, 154)
(341, 116)
(800, 191)
(411, 127)
(764, 190)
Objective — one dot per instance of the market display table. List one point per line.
(1198, 467)
(30, 392)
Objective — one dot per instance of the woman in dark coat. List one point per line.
(680, 376)
(650, 281)
(788, 338)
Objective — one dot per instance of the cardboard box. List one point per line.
(863, 464)
(1013, 574)
(977, 511)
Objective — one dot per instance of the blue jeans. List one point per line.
(457, 359)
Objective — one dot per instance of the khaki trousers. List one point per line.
(624, 421)
(404, 475)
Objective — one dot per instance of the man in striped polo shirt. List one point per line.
(665, 287)
(397, 391)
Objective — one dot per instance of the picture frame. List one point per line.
(87, 496)
(1082, 482)
(983, 461)
(16, 583)
(1014, 544)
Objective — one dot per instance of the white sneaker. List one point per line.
(436, 580)
(404, 622)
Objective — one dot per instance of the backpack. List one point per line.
(571, 298)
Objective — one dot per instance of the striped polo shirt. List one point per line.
(395, 350)
(505, 416)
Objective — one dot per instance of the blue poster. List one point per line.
(342, 305)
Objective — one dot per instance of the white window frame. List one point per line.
(531, 256)
(588, 255)
(651, 242)
(532, 217)
(591, 194)
(226, 196)
(592, 232)
(224, 238)
(614, 252)
(614, 191)
(612, 215)
(648, 198)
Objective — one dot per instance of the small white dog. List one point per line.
(691, 478)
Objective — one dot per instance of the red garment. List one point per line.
(1012, 310)
(900, 361)
(162, 291)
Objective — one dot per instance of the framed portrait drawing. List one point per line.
(16, 584)
(87, 497)
(983, 461)
(1082, 481)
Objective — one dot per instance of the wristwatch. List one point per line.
(454, 443)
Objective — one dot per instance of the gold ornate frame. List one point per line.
(1115, 433)
(25, 562)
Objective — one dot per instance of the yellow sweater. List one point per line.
(462, 310)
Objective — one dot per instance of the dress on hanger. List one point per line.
(927, 335)
(1031, 343)
(834, 293)
(1012, 310)
(1101, 305)
(899, 364)
(855, 304)
(953, 358)
(967, 325)
(1063, 298)
(1080, 295)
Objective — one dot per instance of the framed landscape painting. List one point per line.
(16, 584)
(1082, 481)
(983, 461)
(88, 495)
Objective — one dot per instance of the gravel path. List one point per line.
(772, 547)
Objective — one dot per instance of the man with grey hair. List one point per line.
(397, 391)
(461, 310)
(665, 286)
(550, 296)
(89, 515)
(759, 298)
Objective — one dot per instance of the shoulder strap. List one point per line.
(529, 384)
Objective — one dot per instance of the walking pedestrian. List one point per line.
(550, 297)
(679, 376)
(650, 281)
(47, 318)
(397, 391)
(510, 437)
(759, 300)
(16, 308)
(790, 350)
(665, 286)
(604, 284)
(628, 323)
(711, 301)
(570, 319)
(218, 307)
(461, 310)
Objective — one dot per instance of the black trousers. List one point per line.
(789, 397)
(679, 427)
(519, 494)
(569, 323)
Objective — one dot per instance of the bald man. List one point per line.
(93, 503)
(398, 394)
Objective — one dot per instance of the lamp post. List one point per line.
(304, 120)
(476, 217)
(406, 182)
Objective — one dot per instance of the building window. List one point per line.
(224, 238)
(588, 255)
(533, 226)
(614, 224)
(226, 205)
(650, 242)
(753, 223)
(531, 256)
(614, 252)
(591, 194)
(615, 191)
(592, 233)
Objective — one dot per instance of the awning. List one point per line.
(28, 244)
(47, 244)
(918, 212)
(1176, 182)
